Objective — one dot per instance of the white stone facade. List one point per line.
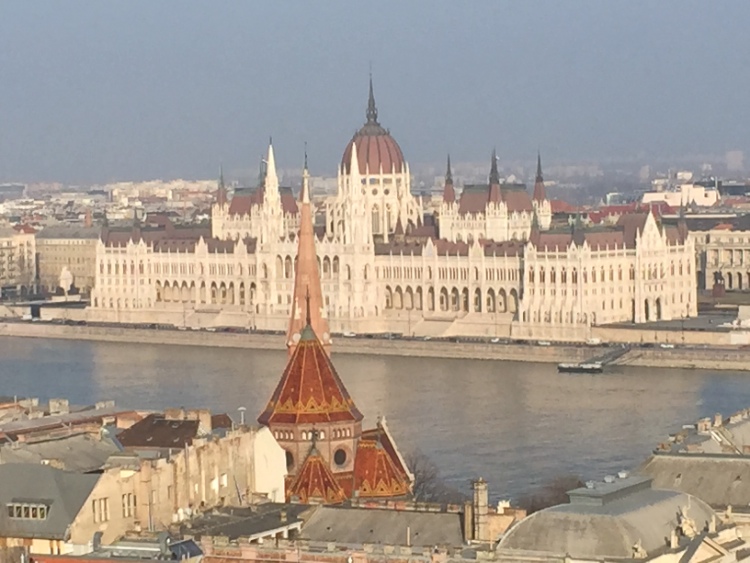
(477, 272)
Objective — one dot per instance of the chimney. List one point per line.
(59, 406)
(468, 521)
(718, 421)
(480, 507)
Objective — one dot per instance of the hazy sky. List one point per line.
(94, 91)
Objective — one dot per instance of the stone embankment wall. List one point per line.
(418, 348)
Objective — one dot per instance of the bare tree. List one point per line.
(429, 485)
(551, 493)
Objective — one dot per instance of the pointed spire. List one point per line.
(272, 179)
(304, 194)
(372, 111)
(221, 196)
(494, 174)
(539, 177)
(540, 193)
(307, 284)
(449, 194)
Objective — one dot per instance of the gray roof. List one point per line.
(64, 492)
(246, 522)
(69, 231)
(718, 480)
(607, 523)
(378, 526)
(78, 452)
(55, 420)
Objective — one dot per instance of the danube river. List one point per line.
(515, 424)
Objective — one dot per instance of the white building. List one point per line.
(388, 266)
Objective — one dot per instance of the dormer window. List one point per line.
(27, 511)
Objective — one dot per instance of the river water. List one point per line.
(515, 424)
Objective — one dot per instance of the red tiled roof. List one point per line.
(26, 229)
(375, 473)
(243, 202)
(310, 390)
(560, 206)
(474, 199)
(315, 482)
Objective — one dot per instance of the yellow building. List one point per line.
(63, 250)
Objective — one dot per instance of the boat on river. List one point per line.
(584, 367)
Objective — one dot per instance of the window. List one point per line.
(100, 509)
(27, 511)
(128, 505)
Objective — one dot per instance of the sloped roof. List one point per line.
(715, 479)
(376, 474)
(606, 526)
(310, 390)
(68, 232)
(344, 525)
(474, 198)
(155, 431)
(63, 491)
(77, 452)
(243, 201)
(315, 482)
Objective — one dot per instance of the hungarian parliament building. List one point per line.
(487, 263)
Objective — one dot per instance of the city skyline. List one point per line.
(139, 91)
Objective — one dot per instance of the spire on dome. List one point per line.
(494, 174)
(540, 193)
(308, 293)
(448, 172)
(372, 111)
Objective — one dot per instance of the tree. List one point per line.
(551, 493)
(429, 485)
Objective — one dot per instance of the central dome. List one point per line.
(376, 148)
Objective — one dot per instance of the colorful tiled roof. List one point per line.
(310, 390)
(376, 474)
(315, 482)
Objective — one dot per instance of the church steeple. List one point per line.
(221, 196)
(372, 111)
(494, 174)
(308, 293)
(449, 193)
(494, 187)
(540, 194)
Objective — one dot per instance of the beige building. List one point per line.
(17, 261)
(50, 511)
(66, 254)
(484, 266)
